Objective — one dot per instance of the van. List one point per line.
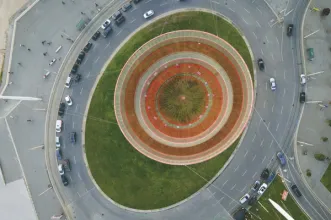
(106, 32)
(57, 142)
(58, 126)
(68, 82)
(311, 54)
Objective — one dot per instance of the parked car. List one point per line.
(74, 68)
(68, 100)
(262, 189)
(281, 158)
(118, 17)
(80, 57)
(58, 126)
(302, 79)
(311, 54)
(60, 168)
(252, 200)
(87, 47)
(243, 199)
(105, 24)
(260, 63)
(66, 165)
(61, 109)
(73, 137)
(52, 62)
(265, 174)
(64, 180)
(96, 36)
(302, 97)
(271, 177)
(290, 30)
(58, 154)
(296, 190)
(272, 84)
(76, 78)
(57, 142)
(148, 14)
(126, 6)
(256, 185)
(107, 31)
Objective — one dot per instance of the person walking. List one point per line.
(22, 45)
(20, 64)
(29, 120)
(43, 42)
(29, 49)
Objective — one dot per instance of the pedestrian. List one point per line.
(45, 53)
(29, 120)
(96, 5)
(63, 3)
(61, 35)
(20, 64)
(49, 43)
(82, 13)
(5, 100)
(10, 72)
(43, 42)
(29, 49)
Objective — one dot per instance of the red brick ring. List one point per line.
(207, 59)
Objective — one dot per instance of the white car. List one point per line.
(68, 100)
(302, 79)
(262, 189)
(243, 199)
(52, 62)
(61, 169)
(105, 24)
(149, 14)
(57, 142)
(272, 84)
(58, 126)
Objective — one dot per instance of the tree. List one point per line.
(320, 157)
(325, 11)
(308, 172)
(324, 139)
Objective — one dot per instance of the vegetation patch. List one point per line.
(326, 178)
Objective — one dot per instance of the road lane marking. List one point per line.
(247, 11)
(254, 35)
(246, 153)
(85, 61)
(277, 127)
(268, 124)
(231, 9)
(254, 157)
(220, 199)
(79, 176)
(39, 109)
(272, 158)
(254, 175)
(284, 92)
(272, 108)
(81, 91)
(88, 75)
(164, 4)
(76, 108)
(233, 187)
(272, 141)
(258, 24)
(34, 148)
(234, 0)
(45, 191)
(74, 159)
(119, 32)
(277, 40)
(266, 86)
(272, 56)
(244, 20)
(281, 111)
(259, 10)
(275, 72)
(264, 159)
(261, 51)
(267, 39)
(244, 173)
(147, 1)
(254, 138)
(216, 2)
(264, 103)
(107, 45)
(284, 74)
(243, 189)
(262, 142)
(134, 9)
(236, 168)
(132, 21)
(96, 60)
(225, 182)
(73, 124)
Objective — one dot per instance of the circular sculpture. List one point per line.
(183, 97)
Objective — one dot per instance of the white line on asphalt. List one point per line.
(132, 21)
(254, 35)
(267, 39)
(301, 142)
(96, 60)
(236, 168)
(258, 24)
(39, 109)
(225, 182)
(78, 194)
(284, 74)
(284, 92)
(233, 186)
(74, 159)
(254, 157)
(119, 32)
(220, 199)
(34, 148)
(216, 2)
(134, 9)
(254, 175)
(70, 177)
(260, 122)
(234, 0)
(73, 124)
(231, 9)
(85, 61)
(272, 56)
(147, 1)
(76, 108)
(254, 138)
(164, 4)
(272, 108)
(81, 91)
(244, 20)
(281, 111)
(277, 127)
(79, 176)
(243, 189)
(244, 173)
(262, 142)
(266, 86)
(268, 124)
(281, 45)
(264, 103)
(45, 191)
(253, 1)
(107, 45)
(261, 51)
(247, 11)
(88, 75)
(94, 47)
(259, 10)
(272, 141)
(264, 159)
(246, 153)
(277, 40)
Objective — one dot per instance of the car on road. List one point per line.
(271, 177)
(118, 17)
(252, 200)
(62, 108)
(80, 57)
(243, 199)
(58, 154)
(260, 63)
(60, 168)
(76, 78)
(52, 62)
(87, 47)
(96, 35)
(262, 189)
(64, 180)
(272, 82)
(311, 54)
(74, 68)
(290, 30)
(148, 14)
(68, 100)
(68, 82)
(126, 6)
(296, 190)
(58, 126)
(302, 97)
(240, 214)
(73, 137)
(265, 174)
(105, 24)
(302, 79)
(256, 185)
(57, 142)
(66, 165)
(281, 158)
(107, 31)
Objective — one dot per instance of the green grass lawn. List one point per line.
(124, 174)
(326, 179)
(274, 192)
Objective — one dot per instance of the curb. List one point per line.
(99, 77)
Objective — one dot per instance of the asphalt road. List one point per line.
(271, 129)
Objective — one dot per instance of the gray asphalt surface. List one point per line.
(271, 128)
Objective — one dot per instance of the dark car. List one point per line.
(136, 1)
(271, 177)
(290, 30)
(126, 6)
(252, 200)
(74, 68)
(119, 20)
(80, 57)
(116, 15)
(260, 63)
(256, 185)
(66, 165)
(265, 174)
(107, 31)
(302, 97)
(296, 190)
(96, 35)
(75, 77)
(64, 180)
(61, 109)
(87, 47)
(281, 158)
(73, 137)
(240, 214)
(58, 154)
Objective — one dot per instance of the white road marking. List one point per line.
(96, 60)
(247, 11)
(243, 189)
(134, 9)
(281, 111)
(254, 157)
(264, 159)
(107, 45)
(277, 127)
(244, 20)
(220, 199)
(85, 61)
(259, 10)
(272, 56)
(216, 2)
(164, 4)
(268, 124)
(264, 104)
(267, 39)
(225, 182)
(275, 73)
(88, 75)
(261, 51)
(301, 142)
(254, 138)
(236, 168)
(284, 92)
(246, 153)
(284, 74)
(74, 159)
(119, 32)
(81, 91)
(70, 177)
(233, 187)
(34, 148)
(73, 124)
(231, 9)
(254, 35)
(270, 161)
(79, 176)
(45, 191)
(76, 108)
(147, 1)
(258, 24)
(262, 142)
(277, 40)
(266, 86)
(39, 109)
(234, 0)
(244, 173)
(132, 21)
(272, 141)
(272, 108)
(254, 175)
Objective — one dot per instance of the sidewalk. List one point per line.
(278, 7)
(313, 124)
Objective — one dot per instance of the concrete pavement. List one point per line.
(313, 124)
